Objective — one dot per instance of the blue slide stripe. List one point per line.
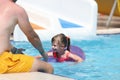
(67, 24)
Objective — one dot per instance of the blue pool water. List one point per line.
(102, 58)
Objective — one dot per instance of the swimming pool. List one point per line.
(102, 58)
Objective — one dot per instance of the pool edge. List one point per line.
(32, 76)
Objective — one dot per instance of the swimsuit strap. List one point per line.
(68, 53)
(55, 55)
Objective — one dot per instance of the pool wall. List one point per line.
(77, 19)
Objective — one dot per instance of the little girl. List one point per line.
(61, 49)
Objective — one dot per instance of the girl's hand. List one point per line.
(38, 57)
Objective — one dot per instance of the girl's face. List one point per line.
(57, 47)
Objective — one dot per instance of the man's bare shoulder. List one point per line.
(19, 9)
(13, 8)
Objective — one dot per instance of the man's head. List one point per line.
(14, 0)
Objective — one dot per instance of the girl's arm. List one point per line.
(75, 57)
(50, 53)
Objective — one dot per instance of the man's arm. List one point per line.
(36, 42)
(25, 26)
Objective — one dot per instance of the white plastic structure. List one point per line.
(75, 18)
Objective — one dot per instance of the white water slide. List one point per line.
(75, 18)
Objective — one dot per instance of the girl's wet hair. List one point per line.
(62, 39)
